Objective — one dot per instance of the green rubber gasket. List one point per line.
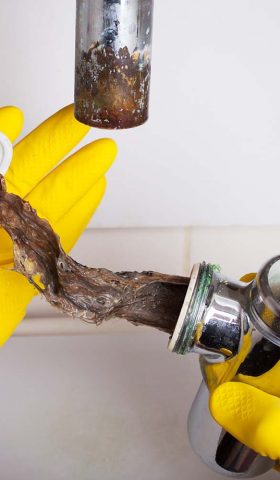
(196, 307)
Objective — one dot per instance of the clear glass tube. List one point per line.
(113, 62)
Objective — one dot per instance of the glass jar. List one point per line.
(113, 62)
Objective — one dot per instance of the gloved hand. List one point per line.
(249, 408)
(250, 415)
(66, 194)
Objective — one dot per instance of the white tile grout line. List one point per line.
(51, 326)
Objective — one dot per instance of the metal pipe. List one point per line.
(113, 62)
(218, 317)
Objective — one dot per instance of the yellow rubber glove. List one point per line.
(250, 415)
(66, 193)
(249, 407)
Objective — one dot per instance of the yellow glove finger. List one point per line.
(268, 381)
(64, 187)
(15, 291)
(11, 122)
(42, 149)
(79, 216)
(68, 227)
(71, 180)
(15, 295)
(250, 415)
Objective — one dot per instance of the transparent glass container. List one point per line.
(113, 62)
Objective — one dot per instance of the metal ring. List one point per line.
(6, 153)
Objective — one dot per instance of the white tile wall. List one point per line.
(160, 249)
(102, 407)
(238, 250)
(217, 132)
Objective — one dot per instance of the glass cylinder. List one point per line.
(113, 62)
